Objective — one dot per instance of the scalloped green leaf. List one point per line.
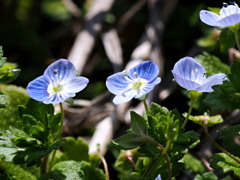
(138, 123)
(193, 164)
(76, 149)
(15, 171)
(226, 96)
(212, 64)
(130, 140)
(225, 164)
(230, 135)
(206, 176)
(2, 59)
(209, 120)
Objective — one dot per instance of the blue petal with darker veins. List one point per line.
(37, 89)
(116, 83)
(146, 70)
(213, 80)
(60, 70)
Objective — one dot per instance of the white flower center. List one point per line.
(53, 89)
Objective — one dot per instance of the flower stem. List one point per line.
(62, 119)
(59, 136)
(145, 106)
(189, 112)
(237, 39)
(220, 148)
(104, 164)
(44, 165)
(50, 165)
(156, 162)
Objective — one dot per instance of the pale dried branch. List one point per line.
(113, 49)
(85, 40)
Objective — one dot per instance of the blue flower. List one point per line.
(158, 177)
(58, 83)
(191, 75)
(229, 16)
(133, 83)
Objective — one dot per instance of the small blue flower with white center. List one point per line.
(158, 177)
(229, 16)
(58, 83)
(134, 83)
(191, 75)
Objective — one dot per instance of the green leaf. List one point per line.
(172, 129)
(37, 109)
(206, 119)
(123, 165)
(78, 170)
(130, 140)
(185, 141)
(33, 155)
(226, 39)
(15, 171)
(138, 123)
(69, 101)
(70, 169)
(226, 96)
(206, 176)
(92, 172)
(8, 73)
(225, 164)
(193, 164)
(76, 149)
(53, 175)
(54, 121)
(2, 59)
(230, 136)
(15, 96)
(3, 100)
(212, 64)
(7, 149)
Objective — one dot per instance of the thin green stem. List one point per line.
(164, 152)
(237, 39)
(189, 112)
(220, 148)
(44, 165)
(50, 165)
(62, 119)
(59, 136)
(145, 105)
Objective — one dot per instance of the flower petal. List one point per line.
(189, 69)
(146, 70)
(74, 85)
(212, 81)
(229, 10)
(60, 70)
(37, 89)
(229, 20)
(117, 83)
(57, 98)
(122, 98)
(209, 18)
(187, 84)
(148, 87)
